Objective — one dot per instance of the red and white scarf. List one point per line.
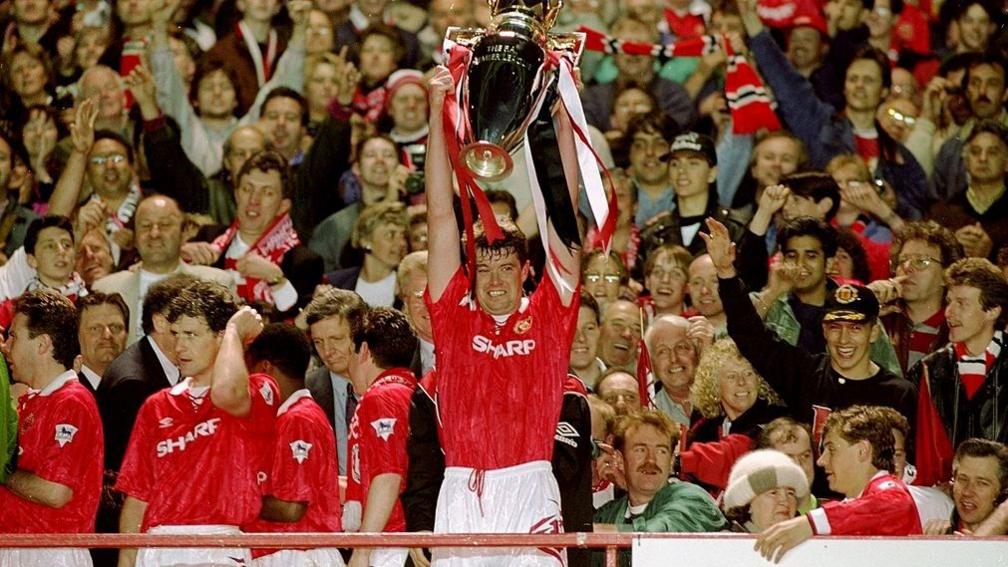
(973, 369)
(273, 243)
(263, 65)
(750, 104)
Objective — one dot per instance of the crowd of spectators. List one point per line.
(791, 331)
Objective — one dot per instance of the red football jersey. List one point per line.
(500, 387)
(304, 469)
(194, 463)
(377, 439)
(60, 440)
(884, 508)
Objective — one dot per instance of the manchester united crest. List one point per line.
(846, 294)
(523, 325)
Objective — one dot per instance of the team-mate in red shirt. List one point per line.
(502, 363)
(199, 450)
(384, 346)
(300, 493)
(858, 451)
(56, 486)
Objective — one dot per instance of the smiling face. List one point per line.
(415, 307)
(863, 88)
(807, 253)
(601, 279)
(690, 174)
(196, 347)
(674, 357)
(739, 386)
(667, 283)
(976, 486)
(259, 200)
(967, 320)
(774, 158)
(645, 149)
(378, 159)
(975, 29)
(108, 170)
(586, 336)
(647, 460)
(849, 346)
(499, 277)
(621, 333)
(703, 287)
(158, 233)
(53, 258)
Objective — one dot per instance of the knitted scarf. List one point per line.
(973, 369)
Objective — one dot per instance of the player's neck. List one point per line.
(856, 490)
(203, 379)
(977, 344)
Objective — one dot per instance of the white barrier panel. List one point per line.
(729, 551)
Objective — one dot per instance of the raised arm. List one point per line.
(569, 258)
(442, 230)
(67, 192)
(230, 388)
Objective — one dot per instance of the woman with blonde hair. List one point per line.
(380, 233)
(732, 397)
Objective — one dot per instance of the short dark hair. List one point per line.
(359, 148)
(876, 55)
(204, 299)
(988, 126)
(389, 337)
(335, 303)
(848, 241)
(513, 241)
(49, 313)
(808, 226)
(588, 301)
(266, 161)
(388, 32)
(979, 59)
(981, 448)
(96, 298)
(116, 137)
(931, 233)
(159, 297)
(285, 347)
(865, 423)
(38, 225)
(612, 257)
(502, 196)
(655, 121)
(960, 8)
(287, 92)
(985, 276)
(204, 67)
(814, 185)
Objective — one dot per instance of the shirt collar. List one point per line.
(302, 393)
(171, 371)
(91, 376)
(58, 382)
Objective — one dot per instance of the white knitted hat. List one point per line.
(759, 471)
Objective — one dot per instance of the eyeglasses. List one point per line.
(915, 263)
(900, 117)
(609, 278)
(114, 159)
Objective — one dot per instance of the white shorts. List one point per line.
(193, 556)
(523, 499)
(323, 557)
(388, 557)
(64, 557)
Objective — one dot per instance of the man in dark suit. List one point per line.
(101, 331)
(330, 317)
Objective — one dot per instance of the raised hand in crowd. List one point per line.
(865, 197)
(347, 79)
(40, 141)
(140, 82)
(82, 129)
(975, 240)
(772, 200)
(720, 247)
(702, 331)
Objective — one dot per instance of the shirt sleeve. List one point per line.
(297, 461)
(265, 397)
(384, 424)
(136, 476)
(71, 449)
(888, 512)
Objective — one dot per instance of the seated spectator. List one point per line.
(812, 385)
(920, 254)
(380, 233)
(764, 489)
(730, 395)
(654, 503)
(620, 336)
(964, 373)
(858, 458)
(583, 360)
(674, 346)
(618, 388)
(101, 331)
(261, 249)
(979, 216)
(303, 471)
(703, 293)
(57, 483)
(794, 439)
(158, 241)
(604, 276)
(979, 480)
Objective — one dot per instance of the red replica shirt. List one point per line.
(194, 463)
(377, 439)
(884, 508)
(304, 468)
(500, 387)
(60, 440)
(685, 25)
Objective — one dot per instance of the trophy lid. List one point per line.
(543, 10)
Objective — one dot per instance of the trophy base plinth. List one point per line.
(487, 162)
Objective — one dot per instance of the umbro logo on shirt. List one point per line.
(165, 422)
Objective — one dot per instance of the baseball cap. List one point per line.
(693, 142)
(851, 303)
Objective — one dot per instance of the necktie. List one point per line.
(351, 404)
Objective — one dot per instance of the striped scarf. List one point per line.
(973, 369)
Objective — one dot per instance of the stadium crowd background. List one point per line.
(278, 149)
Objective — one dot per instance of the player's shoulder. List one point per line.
(73, 395)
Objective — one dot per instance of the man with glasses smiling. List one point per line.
(917, 325)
